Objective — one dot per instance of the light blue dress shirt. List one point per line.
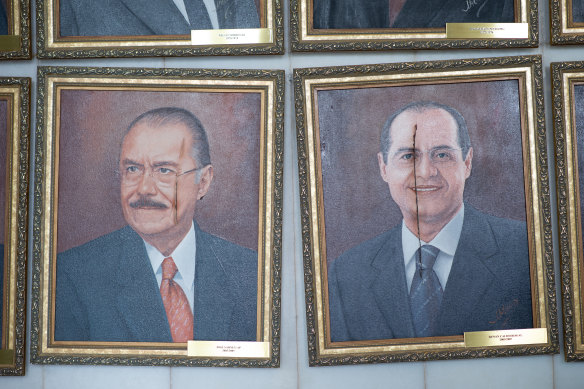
(446, 241)
(209, 4)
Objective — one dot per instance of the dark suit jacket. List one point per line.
(143, 17)
(414, 13)
(577, 11)
(107, 291)
(488, 287)
(3, 20)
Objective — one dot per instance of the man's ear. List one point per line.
(468, 163)
(382, 167)
(205, 181)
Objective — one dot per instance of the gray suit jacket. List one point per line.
(143, 17)
(489, 286)
(107, 291)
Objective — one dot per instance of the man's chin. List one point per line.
(149, 225)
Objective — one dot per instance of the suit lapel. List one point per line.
(159, 15)
(390, 287)
(214, 301)
(226, 13)
(470, 276)
(139, 300)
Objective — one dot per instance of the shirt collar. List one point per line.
(183, 256)
(446, 240)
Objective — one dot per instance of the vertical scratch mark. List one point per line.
(419, 259)
(175, 200)
(182, 147)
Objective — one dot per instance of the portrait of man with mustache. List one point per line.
(161, 278)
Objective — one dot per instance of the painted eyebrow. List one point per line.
(128, 161)
(164, 163)
(411, 149)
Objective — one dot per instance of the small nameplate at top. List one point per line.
(9, 42)
(231, 36)
(487, 30)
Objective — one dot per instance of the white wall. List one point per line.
(517, 372)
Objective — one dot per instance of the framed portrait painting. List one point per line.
(157, 232)
(568, 90)
(137, 28)
(14, 141)
(15, 42)
(425, 215)
(332, 25)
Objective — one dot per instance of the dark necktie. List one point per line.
(176, 305)
(198, 15)
(426, 292)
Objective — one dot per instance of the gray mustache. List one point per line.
(144, 202)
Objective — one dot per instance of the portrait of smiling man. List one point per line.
(160, 278)
(446, 268)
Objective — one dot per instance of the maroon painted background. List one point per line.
(357, 202)
(91, 129)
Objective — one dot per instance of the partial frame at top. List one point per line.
(134, 28)
(566, 22)
(329, 25)
(15, 42)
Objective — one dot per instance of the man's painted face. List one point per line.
(433, 169)
(158, 189)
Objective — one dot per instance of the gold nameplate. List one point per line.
(505, 337)
(6, 357)
(203, 348)
(231, 36)
(487, 30)
(9, 42)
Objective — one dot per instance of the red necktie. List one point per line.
(176, 305)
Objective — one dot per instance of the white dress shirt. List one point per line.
(211, 10)
(184, 259)
(446, 241)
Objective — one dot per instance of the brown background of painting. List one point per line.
(579, 119)
(357, 202)
(91, 131)
(4, 121)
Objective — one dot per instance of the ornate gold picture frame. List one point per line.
(461, 146)
(566, 22)
(568, 89)
(14, 136)
(340, 25)
(15, 39)
(176, 142)
(132, 28)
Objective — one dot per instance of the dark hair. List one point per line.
(172, 115)
(420, 106)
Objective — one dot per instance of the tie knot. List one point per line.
(427, 256)
(169, 269)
